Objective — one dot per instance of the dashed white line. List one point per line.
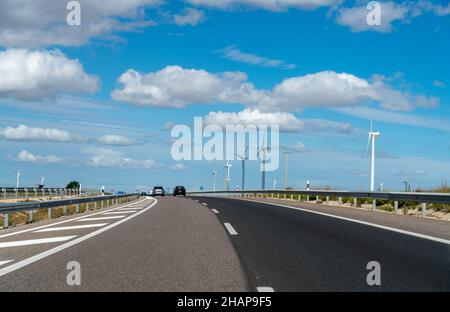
(205, 204)
(230, 229)
(215, 211)
(119, 212)
(265, 289)
(36, 241)
(75, 227)
(5, 262)
(15, 266)
(100, 218)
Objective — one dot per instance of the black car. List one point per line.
(143, 194)
(179, 191)
(158, 191)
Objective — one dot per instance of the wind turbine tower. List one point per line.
(227, 179)
(372, 136)
(243, 159)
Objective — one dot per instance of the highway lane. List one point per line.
(172, 245)
(291, 250)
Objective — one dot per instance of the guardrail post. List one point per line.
(65, 210)
(30, 216)
(424, 209)
(374, 204)
(396, 207)
(328, 199)
(340, 200)
(16, 191)
(355, 202)
(26, 193)
(77, 208)
(95, 205)
(5, 220)
(49, 213)
(307, 198)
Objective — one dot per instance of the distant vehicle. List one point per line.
(158, 191)
(150, 193)
(143, 194)
(120, 193)
(179, 191)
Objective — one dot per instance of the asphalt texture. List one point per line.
(292, 250)
(173, 245)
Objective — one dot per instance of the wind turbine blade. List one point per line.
(371, 126)
(367, 147)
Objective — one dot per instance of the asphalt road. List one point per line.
(293, 250)
(217, 244)
(174, 244)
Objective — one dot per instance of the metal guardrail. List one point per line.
(9, 208)
(421, 198)
(26, 192)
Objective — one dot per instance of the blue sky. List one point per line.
(65, 114)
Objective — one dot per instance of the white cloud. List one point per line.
(189, 16)
(178, 167)
(26, 156)
(102, 157)
(174, 86)
(235, 54)
(298, 147)
(356, 17)
(272, 5)
(25, 133)
(391, 12)
(34, 75)
(35, 24)
(286, 121)
(114, 139)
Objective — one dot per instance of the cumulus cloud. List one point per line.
(35, 75)
(235, 54)
(190, 17)
(178, 167)
(107, 158)
(286, 121)
(272, 5)
(26, 156)
(175, 86)
(298, 147)
(36, 24)
(114, 139)
(25, 133)
(391, 12)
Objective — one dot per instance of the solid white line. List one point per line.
(75, 227)
(214, 210)
(65, 221)
(384, 227)
(265, 289)
(100, 218)
(119, 212)
(5, 262)
(25, 262)
(230, 229)
(36, 241)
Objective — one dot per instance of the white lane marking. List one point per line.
(47, 253)
(119, 212)
(36, 241)
(205, 204)
(65, 221)
(265, 289)
(5, 262)
(230, 229)
(215, 211)
(75, 227)
(383, 227)
(101, 218)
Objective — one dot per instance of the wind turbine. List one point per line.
(17, 178)
(275, 183)
(243, 159)
(214, 180)
(372, 136)
(227, 179)
(263, 149)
